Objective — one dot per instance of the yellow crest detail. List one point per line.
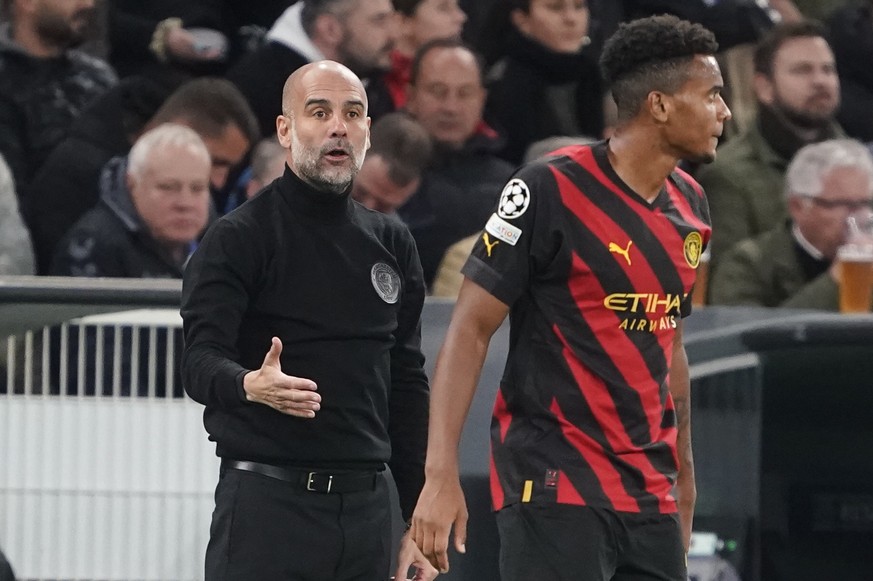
(693, 249)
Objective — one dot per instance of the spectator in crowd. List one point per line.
(792, 265)
(268, 164)
(44, 81)
(400, 149)
(851, 36)
(548, 82)
(356, 33)
(419, 21)
(462, 183)
(214, 108)
(301, 280)
(16, 251)
(733, 22)
(151, 213)
(798, 93)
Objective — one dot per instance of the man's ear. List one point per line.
(660, 106)
(283, 131)
(764, 88)
(369, 125)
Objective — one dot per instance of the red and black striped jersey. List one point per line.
(596, 278)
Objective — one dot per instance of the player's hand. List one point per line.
(441, 505)
(411, 556)
(290, 395)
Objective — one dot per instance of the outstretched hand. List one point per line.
(290, 395)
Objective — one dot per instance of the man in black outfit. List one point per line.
(332, 293)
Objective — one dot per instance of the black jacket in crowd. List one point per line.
(458, 192)
(111, 239)
(342, 287)
(534, 93)
(851, 37)
(39, 99)
(68, 183)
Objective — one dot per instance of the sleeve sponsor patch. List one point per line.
(503, 230)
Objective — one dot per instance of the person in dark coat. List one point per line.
(851, 38)
(547, 83)
(357, 33)
(460, 186)
(153, 207)
(69, 186)
(45, 81)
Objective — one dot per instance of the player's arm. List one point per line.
(441, 505)
(680, 389)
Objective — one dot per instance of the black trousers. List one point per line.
(267, 529)
(560, 542)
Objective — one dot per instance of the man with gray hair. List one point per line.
(150, 214)
(793, 265)
(357, 33)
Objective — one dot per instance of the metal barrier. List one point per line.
(107, 472)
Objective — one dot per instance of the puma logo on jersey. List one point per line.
(613, 247)
(488, 244)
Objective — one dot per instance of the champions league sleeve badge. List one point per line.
(386, 282)
(514, 199)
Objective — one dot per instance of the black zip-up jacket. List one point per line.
(342, 287)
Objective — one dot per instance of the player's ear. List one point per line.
(659, 106)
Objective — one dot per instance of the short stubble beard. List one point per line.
(334, 180)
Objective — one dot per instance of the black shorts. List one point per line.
(562, 542)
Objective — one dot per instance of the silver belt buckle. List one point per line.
(310, 479)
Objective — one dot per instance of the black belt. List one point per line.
(312, 481)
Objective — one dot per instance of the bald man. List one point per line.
(302, 328)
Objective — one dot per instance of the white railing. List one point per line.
(103, 473)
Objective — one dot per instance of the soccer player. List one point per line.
(592, 252)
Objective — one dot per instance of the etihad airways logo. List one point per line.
(642, 302)
(639, 305)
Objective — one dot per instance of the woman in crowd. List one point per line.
(546, 82)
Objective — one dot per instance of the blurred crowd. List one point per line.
(127, 127)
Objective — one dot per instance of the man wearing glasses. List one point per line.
(793, 264)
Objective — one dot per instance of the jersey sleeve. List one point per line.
(518, 237)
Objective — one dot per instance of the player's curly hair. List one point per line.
(651, 54)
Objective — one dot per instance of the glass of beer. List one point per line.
(855, 260)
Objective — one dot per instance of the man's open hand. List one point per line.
(290, 395)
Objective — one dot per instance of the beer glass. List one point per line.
(855, 260)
